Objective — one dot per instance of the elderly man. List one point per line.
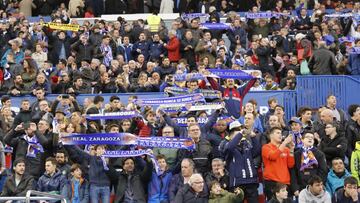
(179, 180)
(326, 117)
(322, 62)
(218, 173)
(193, 192)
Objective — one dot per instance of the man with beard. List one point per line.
(18, 89)
(61, 157)
(18, 183)
(24, 115)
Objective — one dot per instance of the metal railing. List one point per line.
(28, 198)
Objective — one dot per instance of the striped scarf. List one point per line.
(34, 147)
(308, 158)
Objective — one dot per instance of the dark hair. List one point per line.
(5, 98)
(127, 158)
(302, 110)
(314, 179)
(62, 151)
(112, 98)
(280, 107)
(272, 99)
(74, 167)
(52, 160)
(350, 181)
(214, 182)
(98, 99)
(191, 116)
(352, 109)
(18, 160)
(278, 187)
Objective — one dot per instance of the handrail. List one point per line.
(28, 194)
(23, 199)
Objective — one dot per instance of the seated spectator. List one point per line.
(52, 181)
(280, 194)
(219, 194)
(179, 180)
(336, 176)
(218, 174)
(19, 182)
(314, 191)
(78, 188)
(192, 192)
(349, 193)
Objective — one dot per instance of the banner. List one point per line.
(127, 139)
(214, 26)
(192, 98)
(208, 94)
(65, 27)
(208, 106)
(188, 76)
(114, 115)
(134, 153)
(190, 16)
(201, 120)
(228, 73)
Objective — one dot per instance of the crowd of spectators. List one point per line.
(313, 157)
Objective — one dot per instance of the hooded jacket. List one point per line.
(334, 182)
(240, 158)
(306, 196)
(227, 197)
(355, 162)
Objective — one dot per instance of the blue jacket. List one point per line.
(18, 57)
(240, 154)
(156, 49)
(143, 46)
(126, 52)
(333, 182)
(97, 174)
(354, 64)
(57, 182)
(83, 190)
(158, 189)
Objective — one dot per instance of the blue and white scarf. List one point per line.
(34, 147)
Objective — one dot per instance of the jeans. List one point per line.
(102, 192)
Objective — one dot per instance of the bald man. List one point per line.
(326, 117)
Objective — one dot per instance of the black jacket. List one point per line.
(137, 180)
(22, 117)
(323, 62)
(352, 135)
(302, 177)
(34, 165)
(11, 190)
(339, 197)
(187, 195)
(331, 149)
(83, 51)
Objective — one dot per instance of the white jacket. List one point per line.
(166, 6)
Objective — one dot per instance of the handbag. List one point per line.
(304, 68)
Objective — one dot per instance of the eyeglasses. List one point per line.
(194, 130)
(199, 182)
(167, 132)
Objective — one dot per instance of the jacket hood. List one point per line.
(333, 175)
(357, 145)
(310, 197)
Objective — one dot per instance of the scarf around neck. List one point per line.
(307, 158)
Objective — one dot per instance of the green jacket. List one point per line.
(355, 162)
(227, 197)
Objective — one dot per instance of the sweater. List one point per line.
(277, 163)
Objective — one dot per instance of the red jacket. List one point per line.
(173, 48)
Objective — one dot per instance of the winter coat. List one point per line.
(34, 165)
(158, 188)
(306, 196)
(333, 182)
(352, 135)
(83, 190)
(333, 147)
(240, 159)
(189, 54)
(166, 6)
(302, 177)
(57, 183)
(209, 53)
(323, 62)
(353, 66)
(173, 48)
(339, 197)
(11, 190)
(187, 195)
(156, 49)
(97, 174)
(137, 179)
(355, 162)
